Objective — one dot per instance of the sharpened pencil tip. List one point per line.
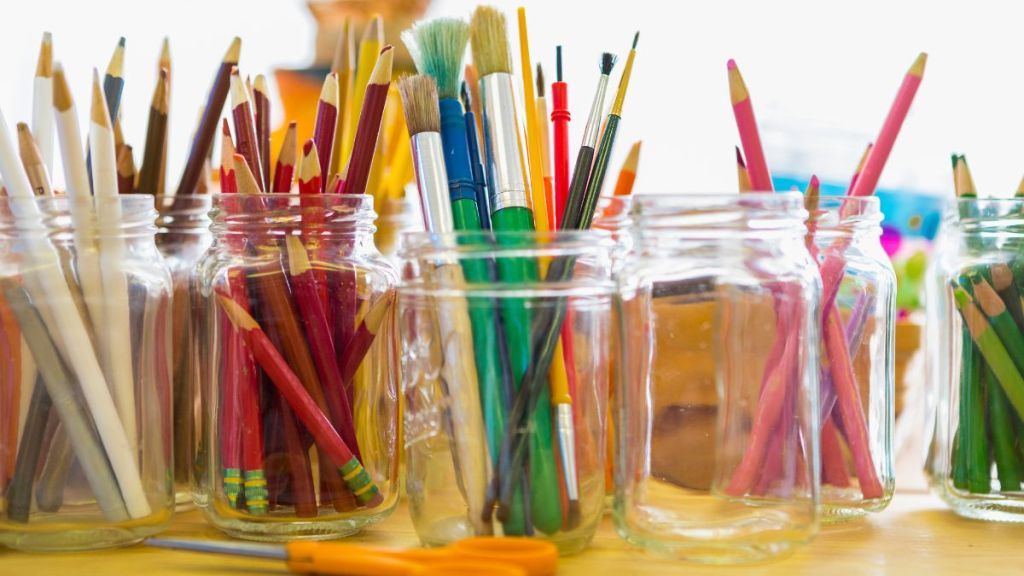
(116, 67)
(917, 69)
(731, 64)
(98, 114)
(814, 181)
(739, 158)
(234, 51)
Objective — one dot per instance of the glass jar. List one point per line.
(85, 301)
(717, 406)
(976, 359)
(183, 236)
(858, 342)
(484, 331)
(300, 406)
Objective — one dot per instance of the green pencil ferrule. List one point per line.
(358, 481)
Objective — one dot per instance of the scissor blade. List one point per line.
(233, 548)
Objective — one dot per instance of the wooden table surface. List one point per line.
(916, 535)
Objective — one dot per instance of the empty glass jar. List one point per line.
(717, 405)
(300, 406)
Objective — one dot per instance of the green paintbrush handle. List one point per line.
(516, 317)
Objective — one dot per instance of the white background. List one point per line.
(822, 75)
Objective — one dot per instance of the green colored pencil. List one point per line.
(992, 349)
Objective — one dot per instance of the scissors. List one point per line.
(481, 556)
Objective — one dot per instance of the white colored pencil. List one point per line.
(42, 98)
(54, 293)
(79, 191)
(116, 333)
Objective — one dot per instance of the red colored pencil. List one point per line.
(560, 117)
(284, 171)
(362, 339)
(757, 167)
(291, 388)
(868, 179)
(245, 128)
(318, 333)
(299, 468)
(368, 128)
(208, 124)
(326, 124)
(228, 182)
(261, 102)
(254, 480)
(310, 182)
(310, 176)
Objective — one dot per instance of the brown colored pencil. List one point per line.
(261, 103)
(208, 124)
(369, 123)
(125, 170)
(33, 162)
(154, 152)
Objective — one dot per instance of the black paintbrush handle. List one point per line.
(577, 189)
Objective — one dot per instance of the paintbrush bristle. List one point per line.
(488, 37)
(607, 63)
(438, 48)
(419, 100)
(467, 104)
(540, 81)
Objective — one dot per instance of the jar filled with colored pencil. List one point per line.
(976, 358)
(717, 407)
(300, 407)
(857, 350)
(183, 236)
(85, 303)
(505, 364)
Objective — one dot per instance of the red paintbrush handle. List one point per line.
(318, 334)
(850, 409)
(560, 117)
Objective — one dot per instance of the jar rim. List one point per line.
(474, 244)
(752, 216)
(56, 216)
(273, 212)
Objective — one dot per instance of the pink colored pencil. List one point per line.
(757, 167)
(868, 179)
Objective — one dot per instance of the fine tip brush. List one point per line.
(585, 157)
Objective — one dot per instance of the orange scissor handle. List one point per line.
(537, 557)
(342, 559)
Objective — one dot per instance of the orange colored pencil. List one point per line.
(627, 174)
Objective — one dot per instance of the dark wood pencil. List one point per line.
(154, 152)
(208, 124)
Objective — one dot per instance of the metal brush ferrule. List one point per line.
(502, 134)
(432, 180)
(594, 118)
(567, 445)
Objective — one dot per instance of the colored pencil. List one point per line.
(746, 123)
(742, 175)
(116, 312)
(154, 154)
(992, 349)
(42, 102)
(164, 63)
(125, 170)
(879, 155)
(53, 289)
(860, 167)
(343, 65)
(208, 123)
(326, 124)
(261, 115)
(246, 140)
(368, 129)
(228, 180)
(32, 160)
(291, 388)
(284, 172)
(370, 45)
